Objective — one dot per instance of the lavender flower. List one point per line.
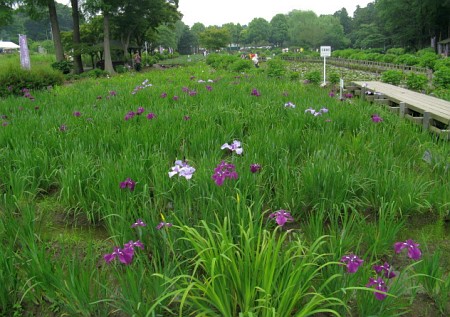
(352, 261)
(289, 105)
(413, 250)
(182, 169)
(233, 147)
(223, 171)
(281, 217)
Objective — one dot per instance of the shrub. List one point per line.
(407, 59)
(416, 81)
(333, 78)
(393, 77)
(14, 79)
(396, 51)
(94, 73)
(389, 58)
(313, 76)
(121, 69)
(442, 62)
(441, 78)
(276, 68)
(428, 59)
(240, 65)
(64, 66)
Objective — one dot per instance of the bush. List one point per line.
(276, 68)
(396, 51)
(441, 77)
(416, 81)
(393, 77)
(407, 59)
(121, 69)
(333, 78)
(94, 73)
(240, 65)
(64, 66)
(314, 76)
(14, 79)
(428, 59)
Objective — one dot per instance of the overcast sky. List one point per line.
(218, 12)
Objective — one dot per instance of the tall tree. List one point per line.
(214, 38)
(344, 19)
(6, 12)
(258, 31)
(279, 30)
(304, 29)
(78, 64)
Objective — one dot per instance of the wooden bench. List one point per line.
(431, 112)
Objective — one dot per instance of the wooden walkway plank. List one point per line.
(433, 113)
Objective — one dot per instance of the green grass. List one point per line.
(351, 185)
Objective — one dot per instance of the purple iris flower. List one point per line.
(413, 250)
(5, 123)
(139, 223)
(151, 116)
(163, 224)
(386, 269)
(129, 115)
(140, 111)
(63, 128)
(131, 244)
(352, 261)
(254, 168)
(223, 171)
(376, 118)
(209, 88)
(255, 92)
(77, 114)
(175, 98)
(281, 217)
(233, 147)
(128, 183)
(192, 93)
(331, 94)
(163, 95)
(380, 285)
(186, 118)
(124, 255)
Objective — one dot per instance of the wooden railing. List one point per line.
(362, 64)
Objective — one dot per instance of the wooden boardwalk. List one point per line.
(431, 112)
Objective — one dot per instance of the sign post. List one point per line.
(325, 51)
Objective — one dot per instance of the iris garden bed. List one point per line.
(191, 191)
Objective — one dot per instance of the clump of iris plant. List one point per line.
(281, 217)
(223, 171)
(128, 183)
(353, 262)
(233, 147)
(182, 169)
(412, 247)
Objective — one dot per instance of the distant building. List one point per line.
(8, 47)
(444, 47)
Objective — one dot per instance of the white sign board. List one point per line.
(325, 51)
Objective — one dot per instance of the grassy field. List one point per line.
(277, 190)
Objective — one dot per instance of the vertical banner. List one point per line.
(24, 53)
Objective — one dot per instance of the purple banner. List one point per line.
(24, 53)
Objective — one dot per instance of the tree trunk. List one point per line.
(125, 44)
(59, 51)
(106, 45)
(78, 64)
